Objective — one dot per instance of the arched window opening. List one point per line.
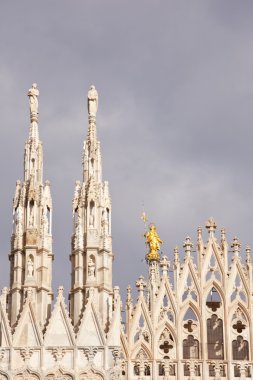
(147, 370)
(213, 300)
(141, 321)
(190, 315)
(92, 171)
(136, 370)
(237, 371)
(213, 370)
(240, 349)
(166, 343)
(92, 214)
(190, 321)
(215, 338)
(190, 348)
(165, 301)
(189, 290)
(136, 337)
(31, 212)
(170, 316)
(187, 371)
(49, 219)
(161, 370)
(108, 219)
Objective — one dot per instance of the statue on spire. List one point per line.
(153, 241)
(92, 101)
(33, 94)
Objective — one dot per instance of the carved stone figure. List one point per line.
(91, 268)
(33, 94)
(29, 268)
(92, 101)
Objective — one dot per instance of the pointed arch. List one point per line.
(161, 328)
(189, 270)
(140, 345)
(141, 310)
(241, 341)
(165, 291)
(235, 305)
(208, 288)
(195, 309)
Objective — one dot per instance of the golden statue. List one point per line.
(153, 240)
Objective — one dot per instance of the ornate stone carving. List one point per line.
(31, 236)
(58, 353)
(26, 354)
(90, 353)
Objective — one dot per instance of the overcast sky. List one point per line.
(175, 84)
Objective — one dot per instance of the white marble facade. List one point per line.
(192, 318)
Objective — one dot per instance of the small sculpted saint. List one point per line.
(92, 101)
(33, 94)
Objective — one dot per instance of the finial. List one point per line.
(248, 254)
(211, 226)
(188, 245)
(92, 102)
(129, 295)
(33, 94)
(164, 264)
(153, 241)
(140, 284)
(176, 255)
(223, 234)
(236, 246)
(199, 233)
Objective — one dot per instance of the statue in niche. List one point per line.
(91, 268)
(92, 101)
(29, 268)
(33, 94)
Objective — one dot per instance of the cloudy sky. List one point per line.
(175, 83)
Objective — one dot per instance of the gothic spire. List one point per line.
(31, 251)
(91, 256)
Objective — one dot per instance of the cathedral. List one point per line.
(193, 315)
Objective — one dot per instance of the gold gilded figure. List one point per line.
(153, 240)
